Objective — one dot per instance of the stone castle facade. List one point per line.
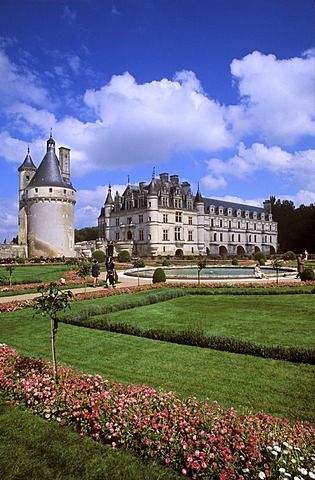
(46, 205)
(164, 218)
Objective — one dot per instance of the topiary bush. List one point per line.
(289, 255)
(260, 257)
(139, 263)
(99, 255)
(159, 275)
(308, 274)
(124, 257)
(234, 261)
(166, 262)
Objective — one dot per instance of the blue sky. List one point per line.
(220, 92)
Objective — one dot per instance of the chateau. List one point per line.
(164, 218)
(46, 205)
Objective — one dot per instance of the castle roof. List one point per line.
(235, 206)
(28, 162)
(48, 172)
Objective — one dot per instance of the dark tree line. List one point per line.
(296, 226)
(85, 234)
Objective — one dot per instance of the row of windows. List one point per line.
(50, 190)
(178, 219)
(178, 236)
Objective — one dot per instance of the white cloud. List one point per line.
(213, 182)
(97, 196)
(299, 166)
(277, 96)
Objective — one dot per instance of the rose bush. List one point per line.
(194, 438)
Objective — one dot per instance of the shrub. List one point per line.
(260, 257)
(99, 255)
(234, 261)
(166, 263)
(124, 257)
(20, 260)
(289, 255)
(139, 263)
(307, 274)
(159, 275)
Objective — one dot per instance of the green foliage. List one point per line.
(202, 264)
(139, 263)
(289, 255)
(260, 257)
(99, 255)
(296, 226)
(166, 262)
(20, 260)
(84, 272)
(308, 274)
(86, 234)
(50, 303)
(10, 269)
(159, 275)
(234, 261)
(124, 257)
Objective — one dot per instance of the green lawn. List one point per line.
(286, 320)
(36, 273)
(276, 387)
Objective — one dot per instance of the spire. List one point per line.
(198, 197)
(109, 198)
(28, 162)
(48, 172)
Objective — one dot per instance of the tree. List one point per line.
(277, 264)
(83, 272)
(201, 265)
(50, 303)
(10, 269)
(86, 234)
(296, 226)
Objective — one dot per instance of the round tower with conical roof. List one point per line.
(200, 207)
(48, 199)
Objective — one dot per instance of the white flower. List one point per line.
(303, 471)
(282, 470)
(311, 474)
(261, 475)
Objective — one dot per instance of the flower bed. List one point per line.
(196, 439)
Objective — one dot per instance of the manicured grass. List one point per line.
(286, 320)
(36, 273)
(276, 387)
(32, 448)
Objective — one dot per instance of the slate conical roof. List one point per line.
(198, 197)
(28, 162)
(48, 172)
(109, 198)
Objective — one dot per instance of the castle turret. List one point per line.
(200, 207)
(103, 219)
(50, 204)
(26, 172)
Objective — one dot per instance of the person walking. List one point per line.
(110, 276)
(96, 270)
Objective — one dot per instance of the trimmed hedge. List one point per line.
(197, 338)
